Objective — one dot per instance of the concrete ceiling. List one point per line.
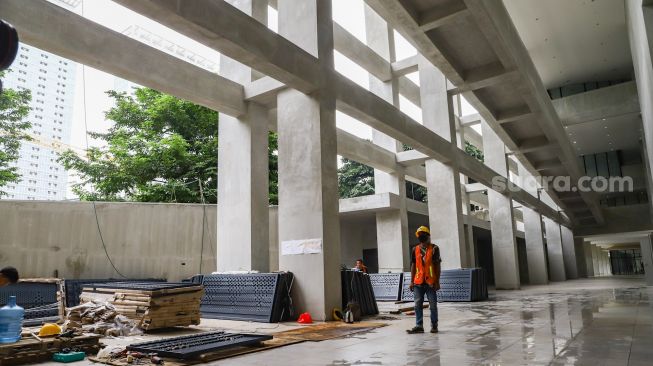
(609, 134)
(574, 41)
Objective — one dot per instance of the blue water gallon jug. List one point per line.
(11, 321)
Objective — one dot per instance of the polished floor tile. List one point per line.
(602, 321)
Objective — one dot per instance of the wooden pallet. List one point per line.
(30, 349)
(153, 309)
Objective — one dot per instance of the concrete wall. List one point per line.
(48, 238)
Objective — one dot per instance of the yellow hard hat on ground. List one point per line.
(49, 329)
(422, 229)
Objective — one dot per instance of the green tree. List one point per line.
(474, 151)
(159, 149)
(14, 108)
(355, 179)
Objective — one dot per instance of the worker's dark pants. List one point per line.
(420, 291)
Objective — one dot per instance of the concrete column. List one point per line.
(502, 221)
(535, 254)
(554, 249)
(470, 247)
(581, 263)
(639, 20)
(608, 266)
(589, 262)
(391, 226)
(646, 247)
(243, 219)
(443, 181)
(596, 261)
(569, 252)
(309, 230)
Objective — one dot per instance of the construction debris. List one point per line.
(99, 317)
(150, 305)
(30, 349)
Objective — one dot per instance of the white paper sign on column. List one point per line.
(304, 246)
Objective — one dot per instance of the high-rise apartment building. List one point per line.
(51, 80)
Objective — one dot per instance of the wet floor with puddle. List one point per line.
(600, 321)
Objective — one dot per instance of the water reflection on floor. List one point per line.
(605, 321)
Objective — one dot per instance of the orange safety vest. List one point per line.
(424, 270)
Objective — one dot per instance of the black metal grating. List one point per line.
(406, 293)
(141, 286)
(386, 286)
(356, 286)
(74, 287)
(189, 347)
(39, 300)
(260, 297)
(468, 284)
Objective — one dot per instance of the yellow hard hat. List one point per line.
(49, 329)
(422, 229)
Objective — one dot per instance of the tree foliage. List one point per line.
(159, 149)
(474, 151)
(356, 179)
(14, 109)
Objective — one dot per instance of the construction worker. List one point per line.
(360, 266)
(425, 278)
(8, 275)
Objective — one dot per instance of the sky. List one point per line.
(91, 101)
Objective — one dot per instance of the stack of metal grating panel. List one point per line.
(73, 288)
(260, 297)
(387, 286)
(40, 300)
(406, 293)
(467, 284)
(356, 286)
(192, 346)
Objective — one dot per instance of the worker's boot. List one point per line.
(415, 330)
(434, 328)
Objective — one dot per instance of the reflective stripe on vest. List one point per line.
(421, 275)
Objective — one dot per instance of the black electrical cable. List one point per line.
(97, 221)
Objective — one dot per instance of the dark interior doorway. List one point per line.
(371, 260)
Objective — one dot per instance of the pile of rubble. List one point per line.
(99, 317)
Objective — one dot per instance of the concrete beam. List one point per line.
(594, 105)
(547, 164)
(357, 51)
(512, 115)
(410, 90)
(411, 157)
(263, 90)
(495, 31)
(221, 26)
(470, 120)
(475, 187)
(535, 144)
(405, 66)
(485, 76)
(235, 34)
(54, 29)
(371, 203)
(441, 15)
